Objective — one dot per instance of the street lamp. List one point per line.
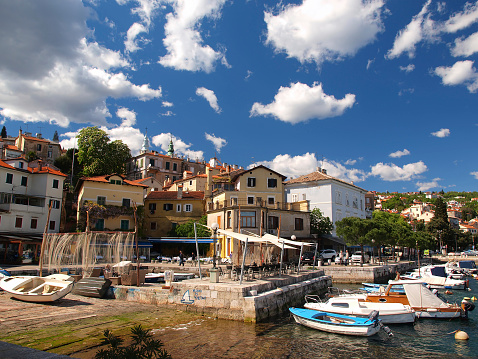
(214, 228)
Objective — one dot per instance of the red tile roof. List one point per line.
(6, 165)
(319, 176)
(106, 179)
(46, 169)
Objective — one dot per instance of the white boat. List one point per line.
(38, 289)
(425, 303)
(154, 277)
(390, 313)
(337, 323)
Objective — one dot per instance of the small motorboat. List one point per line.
(337, 323)
(390, 313)
(154, 277)
(38, 289)
(373, 287)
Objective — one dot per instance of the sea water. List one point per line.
(281, 337)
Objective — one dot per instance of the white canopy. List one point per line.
(252, 238)
(287, 241)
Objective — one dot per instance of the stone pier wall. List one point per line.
(253, 301)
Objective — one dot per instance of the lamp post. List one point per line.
(214, 228)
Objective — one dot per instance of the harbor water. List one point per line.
(281, 337)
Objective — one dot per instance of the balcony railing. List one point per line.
(235, 203)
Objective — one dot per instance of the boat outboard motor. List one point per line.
(467, 306)
(373, 316)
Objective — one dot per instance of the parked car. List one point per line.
(357, 257)
(307, 257)
(327, 254)
(469, 252)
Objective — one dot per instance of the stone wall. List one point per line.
(369, 274)
(253, 301)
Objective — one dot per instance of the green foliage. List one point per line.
(395, 203)
(144, 346)
(354, 231)
(31, 156)
(55, 137)
(319, 224)
(4, 132)
(187, 229)
(64, 164)
(98, 155)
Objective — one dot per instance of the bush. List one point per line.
(143, 346)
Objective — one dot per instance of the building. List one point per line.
(152, 183)
(112, 199)
(165, 210)
(45, 149)
(335, 198)
(164, 168)
(190, 182)
(26, 195)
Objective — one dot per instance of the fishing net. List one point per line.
(87, 249)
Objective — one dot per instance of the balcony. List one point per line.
(235, 203)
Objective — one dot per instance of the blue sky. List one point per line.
(381, 93)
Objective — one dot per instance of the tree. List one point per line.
(55, 137)
(354, 231)
(98, 155)
(394, 203)
(4, 132)
(467, 213)
(187, 229)
(439, 225)
(319, 224)
(31, 156)
(64, 164)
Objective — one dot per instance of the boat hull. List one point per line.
(338, 327)
(36, 289)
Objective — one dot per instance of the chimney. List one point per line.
(39, 135)
(40, 167)
(324, 171)
(180, 192)
(319, 169)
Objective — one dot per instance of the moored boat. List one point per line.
(389, 313)
(337, 323)
(37, 289)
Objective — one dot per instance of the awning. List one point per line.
(253, 238)
(287, 241)
(181, 240)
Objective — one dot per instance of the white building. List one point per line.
(335, 198)
(25, 196)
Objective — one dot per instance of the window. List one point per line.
(101, 200)
(355, 202)
(152, 206)
(271, 200)
(233, 201)
(33, 223)
(174, 178)
(151, 162)
(175, 166)
(304, 196)
(190, 183)
(228, 219)
(141, 163)
(178, 208)
(20, 164)
(100, 224)
(188, 208)
(153, 226)
(273, 222)
(338, 197)
(56, 183)
(251, 181)
(295, 197)
(347, 203)
(52, 225)
(38, 147)
(271, 182)
(168, 165)
(299, 224)
(18, 222)
(250, 199)
(24, 181)
(50, 154)
(248, 219)
(118, 182)
(54, 203)
(168, 206)
(9, 178)
(125, 224)
(126, 202)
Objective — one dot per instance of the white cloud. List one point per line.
(128, 117)
(210, 96)
(324, 30)
(408, 68)
(167, 104)
(369, 63)
(131, 136)
(299, 103)
(474, 174)
(399, 154)
(444, 132)
(350, 162)
(391, 172)
(168, 114)
(132, 41)
(466, 47)
(420, 28)
(295, 166)
(406, 91)
(49, 72)
(218, 142)
(184, 42)
(180, 147)
(70, 141)
(462, 20)
(425, 186)
(461, 73)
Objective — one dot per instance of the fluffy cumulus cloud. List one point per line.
(408, 68)
(391, 172)
(218, 142)
(425, 186)
(474, 174)
(466, 47)
(128, 116)
(183, 41)
(299, 103)
(180, 147)
(50, 72)
(324, 30)
(463, 19)
(295, 166)
(461, 73)
(443, 132)
(399, 154)
(210, 97)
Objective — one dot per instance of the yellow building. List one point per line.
(164, 210)
(253, 201)
(190, 182)
(116, 195)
